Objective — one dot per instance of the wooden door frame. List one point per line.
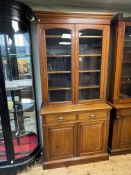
(104, 60)
(43, 62)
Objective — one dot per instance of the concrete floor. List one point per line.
(116, 165)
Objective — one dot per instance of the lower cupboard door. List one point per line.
(60, 141)
(125, 132)
(91, 137)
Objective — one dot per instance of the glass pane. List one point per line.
(90, 52)
(16, 58)
(58, 45)
(2, 144)
(125, 83)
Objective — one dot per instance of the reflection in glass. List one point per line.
(90, 50)
(58, 46)
(125, 81)
(16, 58)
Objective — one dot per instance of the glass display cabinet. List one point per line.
(18, 124)
(119, 92)
(73, 55)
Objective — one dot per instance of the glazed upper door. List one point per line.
(58, 77)
(92, 50)
(125, 77)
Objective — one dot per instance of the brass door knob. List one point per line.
(61, 119)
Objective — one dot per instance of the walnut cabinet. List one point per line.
(73, 58)
(119, 92)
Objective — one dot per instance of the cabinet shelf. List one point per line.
(127, 40)
(59, 88)
(90, 37)
(57, 36)
(24, 108)
(51, 56)
(86, 71)
(59, 72)
(89, 87)
(126, 82)
(20, 55)
(18, 84)
(60, 36)
(126, 76)
(126, 62)
(53, 36)
(90, 55)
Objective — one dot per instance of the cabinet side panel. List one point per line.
(112, 62)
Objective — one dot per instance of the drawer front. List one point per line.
(124, 112)
(58, 118)
(92, 115)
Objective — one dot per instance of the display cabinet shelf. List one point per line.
(23, 108)
(59, 72)
(86, 71)
(89, 87)
(126, 76)
(16, 85)
(127, 62)
(127, 40)
(90, 55)
(57, 56)
(126, 82)
(90, 37)
(20, 55)
(59, 88)
(58, 36)
(69, 36)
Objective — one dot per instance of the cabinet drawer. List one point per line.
(53, 118)
(124, 112)
(92, 115)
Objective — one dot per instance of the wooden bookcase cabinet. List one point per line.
(73, 57)
(119, 92)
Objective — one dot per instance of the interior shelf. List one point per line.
(127, 40)
(90, 55)
(86, 71)
(59, 88)
(69, 37)
(24, 107)
(126, 76)
(89, 87)
(20, 55)
(126, 62)
(51, 56)
(18, 84)
(58, 36)
(90, 36)
(126, 82)
(58, 72)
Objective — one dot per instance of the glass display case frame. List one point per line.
(21, 14)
